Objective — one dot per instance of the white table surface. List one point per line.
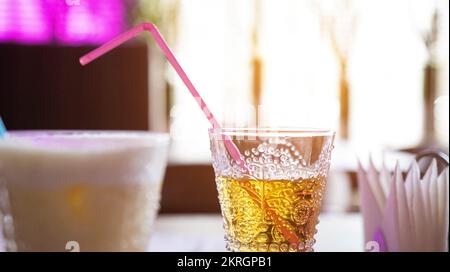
(336, 232)
(202, 232)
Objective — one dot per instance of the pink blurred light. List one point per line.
(61, 21)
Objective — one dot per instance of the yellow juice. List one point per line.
(270, 215)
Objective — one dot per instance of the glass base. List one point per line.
(236, 246)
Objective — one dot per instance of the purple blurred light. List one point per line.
(70, 22)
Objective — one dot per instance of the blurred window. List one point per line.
(300, 71)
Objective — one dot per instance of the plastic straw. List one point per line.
(230, 146)
(130, 34)
(2, 128)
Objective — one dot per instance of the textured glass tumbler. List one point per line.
(273, 203)
(81, 190)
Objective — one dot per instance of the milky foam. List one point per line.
(45, 158)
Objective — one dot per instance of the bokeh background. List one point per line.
(375, 71)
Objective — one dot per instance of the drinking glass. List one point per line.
(80, 190)
(272, 202)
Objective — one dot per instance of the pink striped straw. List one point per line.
(130, 34)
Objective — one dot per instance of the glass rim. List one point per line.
(272, 131)
(76, 133)
(117, 138)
